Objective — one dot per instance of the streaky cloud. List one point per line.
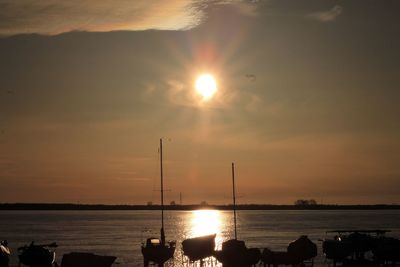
(56, 17)
(327, 16)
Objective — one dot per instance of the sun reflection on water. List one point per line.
(207, 222)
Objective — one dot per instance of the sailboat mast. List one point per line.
(162, 186)
(234, 197)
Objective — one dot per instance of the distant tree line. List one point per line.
(66, 206)
(305, 202)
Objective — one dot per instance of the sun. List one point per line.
(206, 86)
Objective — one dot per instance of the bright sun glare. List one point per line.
(206, 86)
(205, 222)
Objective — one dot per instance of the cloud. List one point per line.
(327, 16)
(55, 17)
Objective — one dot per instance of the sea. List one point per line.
(121, 233)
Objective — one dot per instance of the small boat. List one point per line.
(302, 249)
(199, 248)
(352, 245)
(234, 252)
(4, 253)
(157, 250)
(298, 251)
(38, 255)
(387, 251)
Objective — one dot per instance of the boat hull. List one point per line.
(37, 257)
(4, 255)
(158, 254)
(80, 259)
(199, 248)
(234, 253)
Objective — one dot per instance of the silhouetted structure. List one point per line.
(352, 247)
(204, 203)
(37, 255)
(4, 253)
(234, 253)
(387, 251)
(303, 249)
(297, 253)
(199, 248)
(305, 202)
(78, 259)
(157, 250)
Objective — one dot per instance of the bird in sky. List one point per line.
(251, 77)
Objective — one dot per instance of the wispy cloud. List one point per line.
(54, 17)
(327, 16)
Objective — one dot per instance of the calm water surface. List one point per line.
(120, 233)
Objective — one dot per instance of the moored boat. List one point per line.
(297, 253)
(38, 255)
(5, 253)
(387, 251)
(199, 248)
(82, 259)
(359, 247)
(234, 252)
(157, 250)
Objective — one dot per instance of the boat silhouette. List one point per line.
(357, 246)
(234, 252)
(83, 259)
(157, 250)
(199, 248)
(297, 253)
(38, 255)
(4, 253)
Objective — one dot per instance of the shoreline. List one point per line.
(69, 206)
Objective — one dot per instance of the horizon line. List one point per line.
(183, 207)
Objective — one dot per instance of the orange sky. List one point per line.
(307, 101)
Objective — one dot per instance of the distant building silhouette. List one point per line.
(203, 203)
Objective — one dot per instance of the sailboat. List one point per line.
(157, 250)
(4, 253)
(234, 252)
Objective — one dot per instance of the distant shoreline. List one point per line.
(67, 206)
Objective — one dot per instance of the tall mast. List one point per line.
(162, 194)
(234, 197)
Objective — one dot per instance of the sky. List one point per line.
(306, 106)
